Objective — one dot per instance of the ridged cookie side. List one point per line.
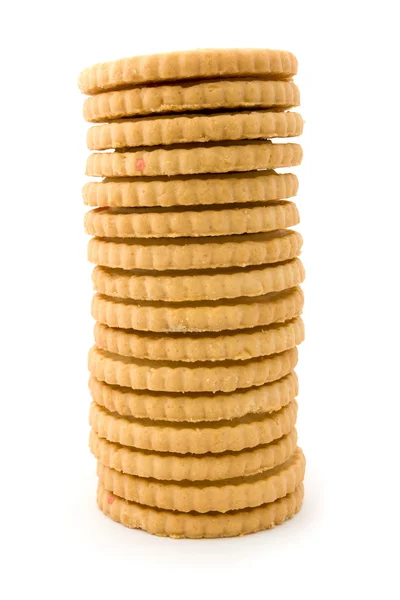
(163, 376)
(241, 345)
(200, 285)
(194, 438)
(213, 221)
(189, 467)
(192, 64)
(191, 159)
(204, 497)
(193, 128)
(196, 407)
(223, 315)
(182, 254)
(201, 190)
(191, 96)
(181, 525)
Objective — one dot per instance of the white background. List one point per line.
(344, 542)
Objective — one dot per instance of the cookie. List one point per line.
(184, 222)
(206, 496)
(210, 189)
(189, 159)
(182, 254)
(198, 285)
(240, 345)
(193, 64)
(194, 438)
(191, 96)
(168, 376)
(193, 128)
(189, 467)
(215, 525)
(188, 407)
(198, 316)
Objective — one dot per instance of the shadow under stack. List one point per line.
(197, 300)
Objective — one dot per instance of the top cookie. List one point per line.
(193, 64)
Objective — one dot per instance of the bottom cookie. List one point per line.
(174, 524)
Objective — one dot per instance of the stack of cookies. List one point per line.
(197, 300)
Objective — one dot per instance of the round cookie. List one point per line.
(194, 438)
(198, 285)
(194, 222)
(193, 128)
(190, 159)
(199, 190)
(167, 466)
(182, 525)
(168, 376)
(240, 345)
(205, 496)
(196, 407)
(183, 254)
(192, 64)
(191, 96)
(184, 317)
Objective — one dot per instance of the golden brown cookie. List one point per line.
(207, 496)
(192, 128)
(193, 467)
(181, 286)
(209, 189)
(189, 159)
(237, 345)
(184, 317)
(195, 222)
(194, 438)
(213, 525)
(191, 96)
(192, 407)
(192, 64)
(182, 254)
(169, 376)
